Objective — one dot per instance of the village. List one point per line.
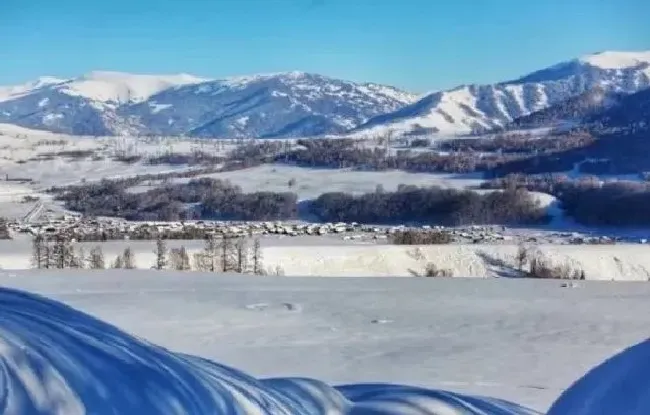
(76, 228)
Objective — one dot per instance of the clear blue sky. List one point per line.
(418, 45)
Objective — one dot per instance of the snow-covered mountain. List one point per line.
(112, 103)
(302, 104)
(470, 108)
(574, 111)
(16, 91)
(631, 113)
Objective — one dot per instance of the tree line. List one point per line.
(218, 199)
(347, 153)
(211, 199)
(412, 204)
(225, 255)
(520, 143)
(502, 153)
(589, 200)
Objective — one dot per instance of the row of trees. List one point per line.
(503, 153)
(411, 204)
(348, 153)
(520, 143)
(227, 254)
(220, 199)
(614, 152)
(588, 200)
(212, 199)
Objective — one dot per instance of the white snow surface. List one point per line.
(15, 91)
(617, 386)
(617, 59)
(312, 182)
(119, 87)
(462, 109)
(331, 256)
(519, 340)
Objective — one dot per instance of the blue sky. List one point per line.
(419, 45)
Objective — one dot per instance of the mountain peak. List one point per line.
(117, 76)
(466, 109)
(122, 87)
(616, 59)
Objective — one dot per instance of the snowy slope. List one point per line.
(302, 104)
(283, 104)
(618, 60)
(617, 386)
(123, 88)
(277, 105)
(13, 92)
(575, 110)
(57, 360)
(478, 107)
(524, 341)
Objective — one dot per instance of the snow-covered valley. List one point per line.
(521, 340)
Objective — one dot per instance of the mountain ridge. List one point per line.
(471, 108)
(115, 103)
(302, 104)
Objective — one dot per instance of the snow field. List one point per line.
(318, 257)
(599, 262)
(521, 340)
(311, 183)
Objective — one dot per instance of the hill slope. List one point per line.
(570, 112)
(111, 103)
(483, 107)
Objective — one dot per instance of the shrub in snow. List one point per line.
(412, 237)
(432, 271)
(541, 267)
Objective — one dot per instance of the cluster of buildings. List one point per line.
(75, 227)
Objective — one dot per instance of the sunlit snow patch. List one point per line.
(56, 360)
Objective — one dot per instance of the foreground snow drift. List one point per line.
(618, 386)
(56, 360)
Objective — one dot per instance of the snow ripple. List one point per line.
(57, 360)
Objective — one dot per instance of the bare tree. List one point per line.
(241, 249)
(161, 254)
(48, 255)
(257, 257)
(227, 253)
(179, 259)
(4, 229)
(96, 260)
(38, 252)
(78, 260)
(62, 253)
(522, 257)
(207, 260)
(128, 259)
(118, 262)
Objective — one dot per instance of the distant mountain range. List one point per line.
(472, 108)
(299, 104)
(276, 105)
